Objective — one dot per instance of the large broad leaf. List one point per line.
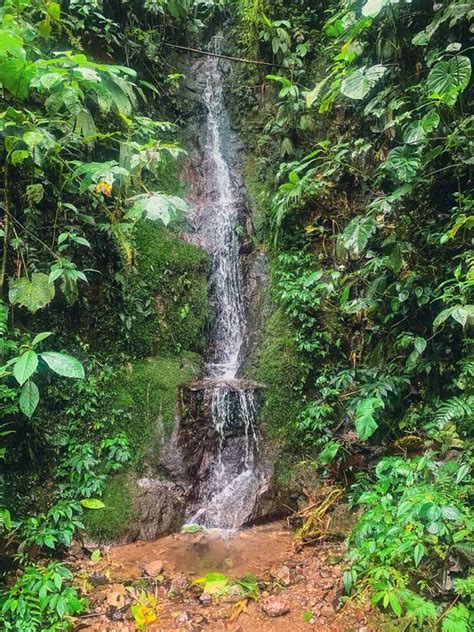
(29, 398)
(403, 162)
(63, 364)
(373, 7)
(419, 130)
(364, 421)
(25, 366)
(33, 294)
(462, 314)
(213, 583)
(357, 234)
(157, 206)
(449, 78)
(15, 76)
(359, 83)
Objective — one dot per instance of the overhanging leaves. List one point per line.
(34, 293)
(360, 82)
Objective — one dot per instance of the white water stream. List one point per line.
(227, 496)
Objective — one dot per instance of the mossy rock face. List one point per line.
(148, 395)
(167, 293)
(282, 372)
(113, 522)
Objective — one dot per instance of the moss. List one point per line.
(148, 396)
(167, 293)
(283, 373)
(113, 522)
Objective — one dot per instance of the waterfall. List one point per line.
(227, 494)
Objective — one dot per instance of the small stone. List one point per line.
(205, 599)
(117, 597)
(182, 618)
(282, 574)
(275, 606)
(98, 579)
(153, 569)
(180, 583)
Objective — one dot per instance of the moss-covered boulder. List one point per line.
(166, 292)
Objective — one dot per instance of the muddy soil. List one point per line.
(300, 590)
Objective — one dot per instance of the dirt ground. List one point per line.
(300, 590)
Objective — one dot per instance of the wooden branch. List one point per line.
(220, 56)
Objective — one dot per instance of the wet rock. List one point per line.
(161, 508)
(282, 574)
(275, 606)
(205, 599)
(153, 569)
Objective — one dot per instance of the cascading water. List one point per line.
(226, 496)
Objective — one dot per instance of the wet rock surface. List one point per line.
(161, 507)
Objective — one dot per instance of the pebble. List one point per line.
(180, 583)
(153, 569)
(282, 574)
(274, 606)
(182, 618)
(205, 599)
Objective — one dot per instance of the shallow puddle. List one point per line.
(255, 550)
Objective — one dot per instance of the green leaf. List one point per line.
(54, 10)
(33, 294)
(327, 455)
(405, 161)
(419, 130)
(25, 366)
(157, 206)
(418, 554)
(395, 604)
(63, 364)
(359, 83)
(357, 233)
(442, 317)
(373, 7)
(449, 512)
(40, 337)
(16, 75)
(96, 555)
(215, 582)
(364, 420)
(420, 344)
(347, 581)
(29, 398)
(92, 503)
(462, 472)
(447, 79)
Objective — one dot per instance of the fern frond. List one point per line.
(454, 409)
